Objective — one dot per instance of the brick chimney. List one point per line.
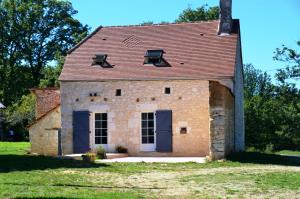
(225, 17)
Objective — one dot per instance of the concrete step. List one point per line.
(116, 155)
(108, 155)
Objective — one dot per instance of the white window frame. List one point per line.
(149, 147)
(93, 136)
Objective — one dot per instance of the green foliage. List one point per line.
(101, 154)
(33, 33)
(202, 13)
(291, 57)
(21, 111)
(34, 36)
(89, 157)
(121, 149)
(146, 23)
(272, 112)
(51, 74)
(19, 115)
(199, 14)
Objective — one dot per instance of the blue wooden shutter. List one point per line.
(164, 130)
(81, 131)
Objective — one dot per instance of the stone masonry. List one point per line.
(222, 121)
(43, 134)
(189, 102)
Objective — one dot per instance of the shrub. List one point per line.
(121, 149)
(101, 154)
(269, 148)
(89, 157)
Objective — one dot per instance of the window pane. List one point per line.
(153, 60)
(104, 116)
(104, 140)
(151, 124)
(151, 139)
(103, 132)
(144, 140)
(151, 131)
(104, 124)
(150, 116)
(167, 90)
(118, 92)
(147, 128)
(97, 132)
(97, 124)
(144, 132)
(144, 116)
(97, 140)
(97, 116)
(144, 124)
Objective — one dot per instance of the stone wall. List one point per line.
(239, 102)
(221, 121)
(43, 134)
(189, 101)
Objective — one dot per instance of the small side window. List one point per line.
(168, 90)
(183, 130)
(118, 92)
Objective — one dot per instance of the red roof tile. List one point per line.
(46, 100)
(194, 50)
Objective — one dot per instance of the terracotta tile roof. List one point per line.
(42, 116)
(194, 50)
(46, 100)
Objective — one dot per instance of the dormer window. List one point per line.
(100, 59)
(154, 57)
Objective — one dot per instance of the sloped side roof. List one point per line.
(43, 116)
(46, 99)
(193, 50)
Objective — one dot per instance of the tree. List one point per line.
(292, 58)
(199, 14)
(33, 32)
(19, 115)
(51, 74)
(271, 112)
(260, 124)
(146, 23)
(189, 15)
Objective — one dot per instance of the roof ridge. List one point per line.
(161, 24)
(84, 39)
(47, 88)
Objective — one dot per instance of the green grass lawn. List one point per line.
(288, 152)
(245, 175)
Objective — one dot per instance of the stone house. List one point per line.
(43, 132)
(158, 90)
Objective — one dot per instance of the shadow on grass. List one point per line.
(9, 163)
(264, 158)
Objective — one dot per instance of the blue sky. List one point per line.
(265, 24)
